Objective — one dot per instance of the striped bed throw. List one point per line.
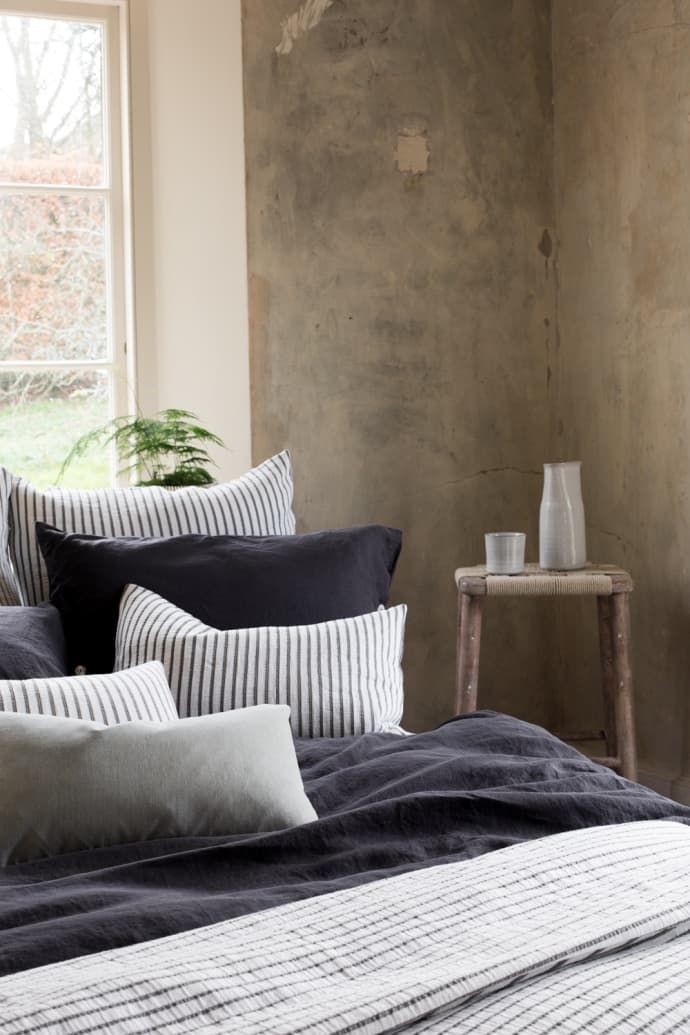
(257, 503)
(339, 678)
(581, 932)
(139, 693)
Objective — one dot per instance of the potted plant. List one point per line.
(168, 449)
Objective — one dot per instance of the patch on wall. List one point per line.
(301, 21)
(412, 151)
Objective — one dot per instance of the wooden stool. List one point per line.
(612, 587)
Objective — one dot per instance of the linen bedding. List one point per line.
(408, 809)
(545, 936)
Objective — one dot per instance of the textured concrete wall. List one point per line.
(399, 159)
(621, 400)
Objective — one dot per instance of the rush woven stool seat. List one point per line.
(611, 586)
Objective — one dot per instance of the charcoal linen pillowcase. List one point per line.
(216, 775)
(32, 643)
(227, 582)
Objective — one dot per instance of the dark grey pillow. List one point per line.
(32, 643)
(68, 784)
(227, 582)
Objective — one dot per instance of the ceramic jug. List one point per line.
(562, 543)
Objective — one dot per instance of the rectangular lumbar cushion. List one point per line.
(141, 692)
(339, 678)
(228, 582)
(70, 785)
(32, 642)
(257, 503)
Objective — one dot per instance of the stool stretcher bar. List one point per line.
(611, 586)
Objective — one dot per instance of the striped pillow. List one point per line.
(339, 678)
(138, 693)
(258, 503)
(9, 590)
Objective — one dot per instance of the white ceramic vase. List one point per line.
(562, 544)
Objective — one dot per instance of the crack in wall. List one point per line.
(625, 543)
(491, 470)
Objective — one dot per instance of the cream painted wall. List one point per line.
(189, 215)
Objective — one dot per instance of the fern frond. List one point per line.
(167, 448)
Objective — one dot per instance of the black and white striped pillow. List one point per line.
(257, 503)
(9, 590)
(137, 693)
(339, 678)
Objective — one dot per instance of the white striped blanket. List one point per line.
(580, 932)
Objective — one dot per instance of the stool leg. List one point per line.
(608, 674)
(623, 692)
(467, 656)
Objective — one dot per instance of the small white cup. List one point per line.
(505, 552)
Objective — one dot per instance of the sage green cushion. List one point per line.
(68, 784)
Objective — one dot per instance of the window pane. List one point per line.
(51, 116)
(52, 277)
(42, 416)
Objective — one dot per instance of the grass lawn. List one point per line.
(35, 438)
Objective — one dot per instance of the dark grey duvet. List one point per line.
(386, 804)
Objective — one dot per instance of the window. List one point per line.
(63, 313)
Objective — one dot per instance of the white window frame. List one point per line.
(116, 191)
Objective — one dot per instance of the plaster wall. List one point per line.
(192, 337)
(621, 399)
(402, 295)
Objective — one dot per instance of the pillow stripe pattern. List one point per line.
(257, 503)
(9, 590)
(138, 693)
(340, 678)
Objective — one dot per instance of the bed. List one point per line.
(453, 880)
(481, 877)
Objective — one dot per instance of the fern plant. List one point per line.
(168, 449)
